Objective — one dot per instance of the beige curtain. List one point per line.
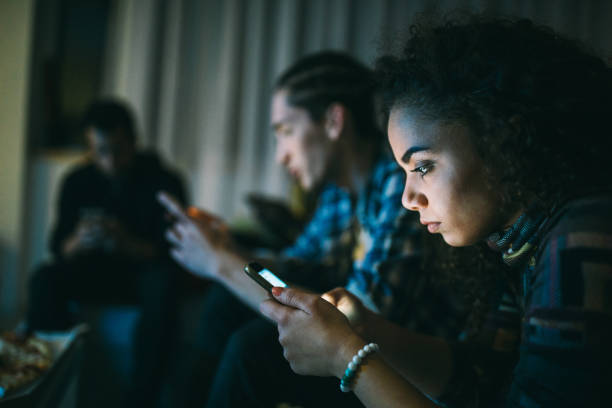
(199, 72)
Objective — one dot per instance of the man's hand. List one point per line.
(118, 239)
(212, 223)
(87, 236)
(198, 238)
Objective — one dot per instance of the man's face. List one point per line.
(303, 146)
(112, 151)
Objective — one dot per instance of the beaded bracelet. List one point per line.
(346, 383)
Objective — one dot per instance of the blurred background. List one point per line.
(198, 75)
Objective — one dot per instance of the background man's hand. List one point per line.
(198, 238)
(87, 236)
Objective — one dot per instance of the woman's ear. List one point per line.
(335, 118)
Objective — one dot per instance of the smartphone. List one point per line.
(264, 277)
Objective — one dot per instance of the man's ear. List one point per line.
(335, 120)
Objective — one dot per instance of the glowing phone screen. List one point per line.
(273, 279)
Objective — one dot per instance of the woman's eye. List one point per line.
(423, 169)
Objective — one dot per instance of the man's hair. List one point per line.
(538, 106)
(318, 80)
(109, 115)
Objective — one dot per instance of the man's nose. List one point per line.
(281, 156)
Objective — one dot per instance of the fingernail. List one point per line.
(276, 291)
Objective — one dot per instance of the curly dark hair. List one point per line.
(475, 276)
(538, 105)
(538, 108)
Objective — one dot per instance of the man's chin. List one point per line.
(310, 185)
(305, 185)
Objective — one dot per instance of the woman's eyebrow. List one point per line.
(406, 156)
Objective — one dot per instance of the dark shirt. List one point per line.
(129, 198)
(551, 345)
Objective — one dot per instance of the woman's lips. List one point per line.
(432, 227)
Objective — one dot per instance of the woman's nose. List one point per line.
(412, 199)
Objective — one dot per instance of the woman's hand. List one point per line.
(316, 337)
(198, 238)
(350, 305)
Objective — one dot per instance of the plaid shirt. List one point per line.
(327, 235)
(386, 237)
(552, 345)
(382, 242)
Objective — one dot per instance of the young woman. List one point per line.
(501, 128)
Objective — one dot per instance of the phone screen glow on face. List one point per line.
(273, 279)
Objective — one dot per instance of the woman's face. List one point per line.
(445, 178)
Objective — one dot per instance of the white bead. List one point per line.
(353, 365)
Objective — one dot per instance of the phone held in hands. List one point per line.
(264, 277)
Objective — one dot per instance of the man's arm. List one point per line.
(203, 246)
(62, 241)
(320, 243)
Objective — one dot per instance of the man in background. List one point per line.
(108, 244)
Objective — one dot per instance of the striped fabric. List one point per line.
(329, 231)
(564, 356)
